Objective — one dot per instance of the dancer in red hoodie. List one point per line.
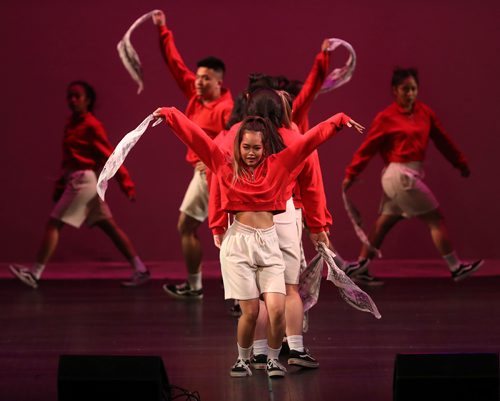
(85, 150)
(401, 134)
(255, 184)
(209, 106)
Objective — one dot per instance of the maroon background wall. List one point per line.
(455, 45)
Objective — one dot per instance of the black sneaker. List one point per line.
(241, 368)
(137, 279)
(25, 275)
(182, 291)
(355, 268)
(367, 279)
(466, 269)
(275, 369)
(259, 361)
(285, 349)
(302, 359)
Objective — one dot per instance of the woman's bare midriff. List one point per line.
(255, 219)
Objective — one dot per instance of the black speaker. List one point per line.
(444, 377)
(106, 377)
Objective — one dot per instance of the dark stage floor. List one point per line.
(196, 340)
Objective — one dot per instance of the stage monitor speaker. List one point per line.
(445, 377)
(106, 377)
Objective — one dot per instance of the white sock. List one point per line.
(273, 353)
(452, 261)
(37, 270)
(194, 281)
(296, 343)
(138, 265)
(260, 347)
(244, 353)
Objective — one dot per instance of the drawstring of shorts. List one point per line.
(260, 237)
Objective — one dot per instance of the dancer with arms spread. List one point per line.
(401, 134)
(255, 184)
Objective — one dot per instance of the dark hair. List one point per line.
(266, 103)
(238, 111)
(400, 74)
(89, 93)
(258, 80)
(213, 63)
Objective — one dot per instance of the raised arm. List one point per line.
(182, 74)
(293, 155)
(193, 136)
(312, 85)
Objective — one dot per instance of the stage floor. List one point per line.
(423, 311)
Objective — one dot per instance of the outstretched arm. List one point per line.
(193, 136)
(293, 155)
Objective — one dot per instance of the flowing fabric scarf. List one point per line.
(357, 223)
(339, 76)
(310, 280)
(129, 56)
(120, 153)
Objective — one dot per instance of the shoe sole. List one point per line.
(356, 272)
(259, 366)
(240, 374)
(457, 279)
(130, 284)
(185, 297)
(276, 374)
(302, 363)
(15, 272)
(373, 283)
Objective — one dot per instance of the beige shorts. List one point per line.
(195, 202)
(405, 193)
(289, 229)
(251, 262)
(79, 202)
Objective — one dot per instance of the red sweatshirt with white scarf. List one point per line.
(266, 190)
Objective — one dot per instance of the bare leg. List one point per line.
(247, 322)
(49, 241)
(439, 232)
(294, 310)
(261, 326)
(275, 303)
(118, 236)
(190, 243)
(382, 226)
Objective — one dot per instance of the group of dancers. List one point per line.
(257, 179)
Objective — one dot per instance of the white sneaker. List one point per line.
(25, 275)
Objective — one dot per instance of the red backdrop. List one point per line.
(47, 44)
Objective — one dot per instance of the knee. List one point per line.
(250, 315)
(276, 313)
(186, 225)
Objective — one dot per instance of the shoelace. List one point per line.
(273, 363)
(240, 363)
